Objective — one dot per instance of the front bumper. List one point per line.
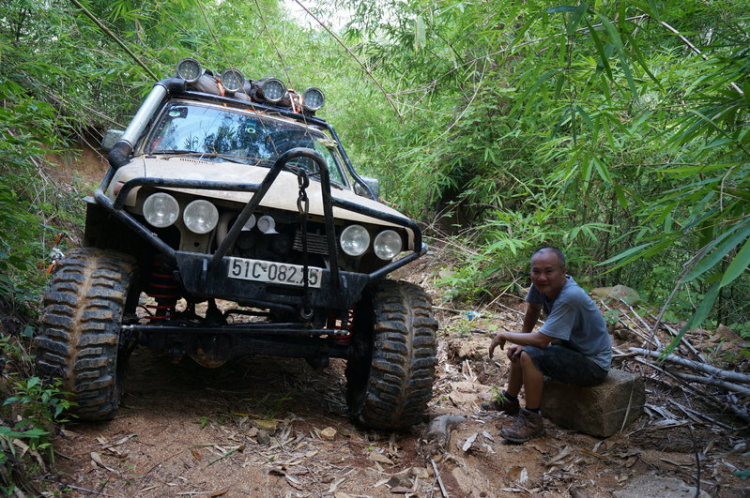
(205, 275)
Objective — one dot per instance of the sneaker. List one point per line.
(503, 404)
(528, 425)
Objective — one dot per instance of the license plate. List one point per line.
(274, 273)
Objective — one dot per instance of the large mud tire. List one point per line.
(392, 368)
(80, 340)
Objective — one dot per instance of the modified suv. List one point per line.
(232, 223)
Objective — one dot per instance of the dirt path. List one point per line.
(265, 427)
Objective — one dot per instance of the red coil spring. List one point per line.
(164, 289)
(343, 339)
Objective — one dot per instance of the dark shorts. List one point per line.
(566, 365)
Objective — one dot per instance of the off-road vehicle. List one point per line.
(232, 223)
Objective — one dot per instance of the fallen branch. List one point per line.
(645, 339)
(440, 481)
(230, 452)
(729, 386)
(683, 339)
(653, 338)
(700, 415)
(703, 367)
(745, 417)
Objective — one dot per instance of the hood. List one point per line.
(282, 194)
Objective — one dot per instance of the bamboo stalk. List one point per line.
(729, 386)
(114, 37)
(745, 417)
(703, 367)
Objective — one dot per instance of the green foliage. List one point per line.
(38, 405)
(29, 411)
(593, 127)
(28, 128)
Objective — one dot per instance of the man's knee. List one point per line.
(526, 361)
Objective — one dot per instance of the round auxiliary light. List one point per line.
(232, 80)
(355, 239)
(189, 70)
(387, 245)
(313, 99)
(200, 216)
(161, 210)
(273, 89)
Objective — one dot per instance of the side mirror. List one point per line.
(111, 137)
(373, 183)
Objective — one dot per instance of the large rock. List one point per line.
(599, 410)
(623, 292)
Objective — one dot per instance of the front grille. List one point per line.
(316, 243)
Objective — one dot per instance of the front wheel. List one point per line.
(392, 366)
(80, 339)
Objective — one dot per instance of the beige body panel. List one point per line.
(282, 194)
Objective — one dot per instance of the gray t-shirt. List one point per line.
(574, 319)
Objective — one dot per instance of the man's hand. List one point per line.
(498, 340)
(514, 353)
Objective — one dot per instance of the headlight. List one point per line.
(355, 239)
(232, 80)
(387, 245)
(201, 216)
(189, 70)
(273, 89)
(161, 210)
(313, 99)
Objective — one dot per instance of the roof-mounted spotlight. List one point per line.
(313, 99)
(189, 70)
(232, 80)
(273, 89)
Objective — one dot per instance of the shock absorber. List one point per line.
(344, 324)
(165, 290)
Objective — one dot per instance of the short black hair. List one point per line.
(555, 250)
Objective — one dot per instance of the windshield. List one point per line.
(224, 134)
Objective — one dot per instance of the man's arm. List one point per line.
(533, 311)
(520, 338)
(524, 338)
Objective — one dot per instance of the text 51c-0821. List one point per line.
(271, 272)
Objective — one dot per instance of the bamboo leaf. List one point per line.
(700, 315)
(627, 254)
(563, 9)
(616, 41)
(741, 232)
(738, 266)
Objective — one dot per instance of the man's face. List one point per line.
(548, 274)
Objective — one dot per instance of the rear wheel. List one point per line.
(392, 367)
(80, 340)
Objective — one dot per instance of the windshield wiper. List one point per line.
(184, 152)
(176, 151)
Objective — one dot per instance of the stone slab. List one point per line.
(601, 410)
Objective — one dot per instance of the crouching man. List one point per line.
(581, 354)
